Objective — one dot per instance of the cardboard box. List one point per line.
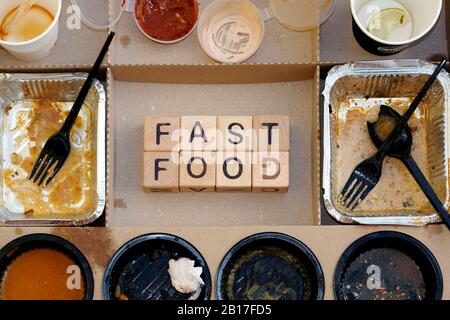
(283, 77)
(295, 97)
(326, 242)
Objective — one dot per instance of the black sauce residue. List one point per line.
(268, 273)
(399, 277)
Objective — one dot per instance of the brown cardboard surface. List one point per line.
(280, 45)
(337, 43)
(74, 49)
(327, 243)
(131, 102)
(246, 73)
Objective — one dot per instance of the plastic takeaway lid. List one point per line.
(96, 13)
(302, 15)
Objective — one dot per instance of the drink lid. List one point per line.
(99, 14)
(301, 15)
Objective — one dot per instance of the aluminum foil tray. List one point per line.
(20, 95)
(352, 95)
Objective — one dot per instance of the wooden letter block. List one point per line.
(160, 171)
(199, 133)
(162, 134)
(234, 171)
(270, 172)
(197, 171)
(234, 133)
(271, 133)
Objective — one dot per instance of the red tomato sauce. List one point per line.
(167, 20)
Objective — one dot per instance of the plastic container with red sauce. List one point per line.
(166, 21)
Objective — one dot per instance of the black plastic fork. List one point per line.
(57, 148)
(367, 174)
(401, 150)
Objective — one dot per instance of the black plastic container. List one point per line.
(404, 267)
(40, 241)
(133, 259)
(268, 266)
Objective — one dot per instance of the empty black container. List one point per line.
(270, 266)
(139, 269)
(387, 265)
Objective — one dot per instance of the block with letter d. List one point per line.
(270, 171)
(160, 172)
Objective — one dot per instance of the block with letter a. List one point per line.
(270, 172)
(160, 172)
(198, 133)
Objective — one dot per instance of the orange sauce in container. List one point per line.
(166, 20)
(41, 274)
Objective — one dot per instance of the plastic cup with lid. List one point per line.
(104, 15)
(231, 31)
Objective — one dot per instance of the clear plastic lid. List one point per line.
(99, 14)
(302, 15)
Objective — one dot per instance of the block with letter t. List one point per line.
(271, 133)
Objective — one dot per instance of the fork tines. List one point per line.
(355, 191)
(46, 165)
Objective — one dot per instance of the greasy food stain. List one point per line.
(433, 230)
(120, 203)
(96, 244)
(18, 231)
(125, 41)
(71, 192)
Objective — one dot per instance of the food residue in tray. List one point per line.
(397, 190)
(270, 273)
(383, 274)
(27, 126)
(41, 274)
